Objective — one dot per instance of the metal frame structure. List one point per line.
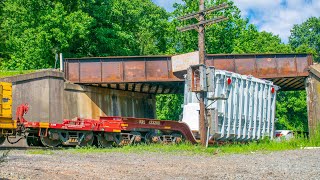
(104, 132)
(153, 74)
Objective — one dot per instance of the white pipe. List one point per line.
(61, 62)
(207, 140)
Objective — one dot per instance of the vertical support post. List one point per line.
(311, 103)
(201, 44)
(56, 60)
(61, 62)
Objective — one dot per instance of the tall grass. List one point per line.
(184, 148)
(315, 138)
(189, 149)
(262, 146)
(298, 142)
(4, 156)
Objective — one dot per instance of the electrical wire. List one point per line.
(14, 141)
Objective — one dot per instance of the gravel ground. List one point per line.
(297, 164)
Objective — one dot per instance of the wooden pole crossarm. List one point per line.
(209, 10)
(207, 22)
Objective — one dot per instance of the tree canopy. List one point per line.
(305, 37)
(34, 31)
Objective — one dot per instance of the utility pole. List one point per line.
(200, 27)
(201, 37)
(202, 60)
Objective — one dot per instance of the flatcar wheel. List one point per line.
(33, 140)
(49, 142)
(86, 143)
(2, 139)
(88, 140)
(177, 137)
(103, 143)
(137, 137)
(152, 137)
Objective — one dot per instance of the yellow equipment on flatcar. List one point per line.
(7, 125)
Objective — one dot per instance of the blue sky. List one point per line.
(276, 16)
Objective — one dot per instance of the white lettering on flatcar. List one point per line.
(142, 122)
(154, 122)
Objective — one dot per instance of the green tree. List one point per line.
(251, 40)
(305, 37)
(236, 35)
(219, 37)
(169, 106)
(2, 47)
(127, 27)
(34, 31)
(291, 111)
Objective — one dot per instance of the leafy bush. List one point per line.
(291, 111)
(169, 106)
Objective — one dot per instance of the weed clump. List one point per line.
(4, 156)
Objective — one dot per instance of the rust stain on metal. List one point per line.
(287, 67)
(90, 71)
(112, 72)
(246, 66)
(134, 71)
(156, 70)
(225, 64)
(265, 67)
(72, 71)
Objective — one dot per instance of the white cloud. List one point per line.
(278, 16)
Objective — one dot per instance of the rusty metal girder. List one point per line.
(263, 65)
(151, 72)
(120, 69)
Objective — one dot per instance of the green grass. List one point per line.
(264, 146)
(4, 73)
(267, 145)
(184, 148)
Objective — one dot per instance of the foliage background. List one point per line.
(32, 32)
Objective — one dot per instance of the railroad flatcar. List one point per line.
(238, 108)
